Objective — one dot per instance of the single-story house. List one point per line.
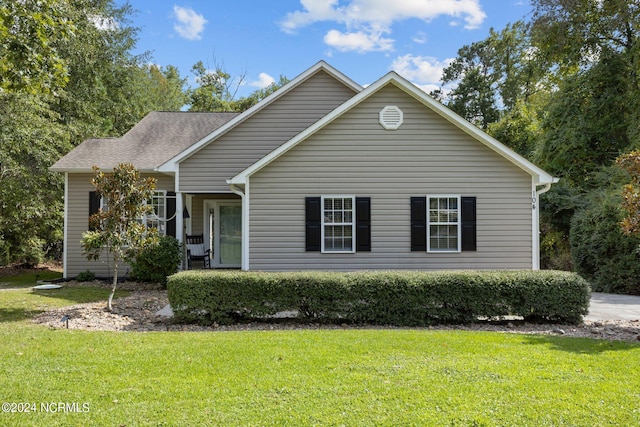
(324, 175)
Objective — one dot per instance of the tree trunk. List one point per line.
(115, 283)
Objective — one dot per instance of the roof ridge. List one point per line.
(195, 112)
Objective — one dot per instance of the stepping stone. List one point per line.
(165, 311)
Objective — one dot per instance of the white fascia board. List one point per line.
(91, 171)
(171, 164)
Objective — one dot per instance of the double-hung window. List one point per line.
(338, 225)
(157, 217)
(443, 223)
(161, 217)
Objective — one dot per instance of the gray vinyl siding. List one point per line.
(77, 211)
(354, 155)
(260, 134)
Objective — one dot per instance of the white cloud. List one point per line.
(315, 10)
(420, 37)
(263, 81)
(423, 71)
(190, 24)
(359, 41)
(366, 20)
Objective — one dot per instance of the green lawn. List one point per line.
(305, 377)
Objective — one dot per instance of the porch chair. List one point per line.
(196, 251)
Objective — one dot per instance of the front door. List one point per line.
(224, 224)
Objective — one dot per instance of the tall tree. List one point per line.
(30, 196)
(578, 34)
(520, 128)
(584, 129)
(475, 96)
(218, 90)
(29, 30)
(587, 121)
(493, 75)
(165, 88)
(100, 98)
(67, 72)
(572, 34)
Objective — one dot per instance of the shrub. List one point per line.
(157, 261)
(86, 276)
(382, 298)
(601, 252)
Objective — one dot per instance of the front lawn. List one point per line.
(311, 377)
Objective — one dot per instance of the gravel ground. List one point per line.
(137, 312)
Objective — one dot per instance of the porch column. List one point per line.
(180, 226)
(179, 217)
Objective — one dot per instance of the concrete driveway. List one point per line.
(613, 307)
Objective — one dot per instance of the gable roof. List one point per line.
(159, 136)
(171, 164)
(539, 175)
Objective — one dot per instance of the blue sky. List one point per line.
(364, 39)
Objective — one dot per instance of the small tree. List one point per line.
(631, 193)
(117, 228)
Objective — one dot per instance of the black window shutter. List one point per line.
(171, 213)
(468, 223)
(418, 223)
(363, 224)
(94, 205)
(313, 223)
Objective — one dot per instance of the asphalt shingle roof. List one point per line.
(158, 137)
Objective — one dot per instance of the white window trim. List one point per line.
(353, 223)
(458, 223)
(162, 221)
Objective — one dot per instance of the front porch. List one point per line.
(218, 219)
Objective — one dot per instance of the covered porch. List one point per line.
(217, 217)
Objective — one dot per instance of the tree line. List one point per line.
(68, 73)
(561, 87)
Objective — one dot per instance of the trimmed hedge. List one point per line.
(379, 298)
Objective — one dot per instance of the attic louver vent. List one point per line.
(391, 117)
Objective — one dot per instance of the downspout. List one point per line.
(536, 221)
(245, 223)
